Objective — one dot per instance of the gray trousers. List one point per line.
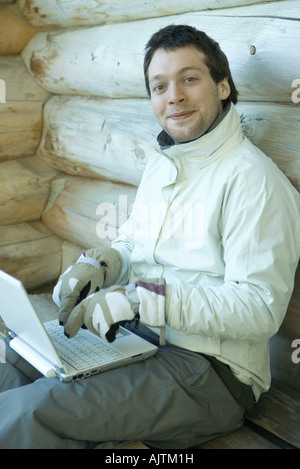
(174, 400)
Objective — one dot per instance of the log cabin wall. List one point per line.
(77, 127)
(28, 249)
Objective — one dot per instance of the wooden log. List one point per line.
(87, 212)
(102, 138)
(21, 115)
(25, 187)
(14, 31)
(31, 253)
(113, 138)
(47, 14)
(70, 254)
(274, 128)
(20, 128)
(262, 51)
(20, 85)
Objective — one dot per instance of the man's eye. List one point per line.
(190, 79)
(158, 88)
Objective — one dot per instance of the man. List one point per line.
(205, 263)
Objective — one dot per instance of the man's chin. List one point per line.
(182, 136)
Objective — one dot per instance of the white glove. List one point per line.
(96, 268)
(103, 312)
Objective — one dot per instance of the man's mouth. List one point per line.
(180, 115)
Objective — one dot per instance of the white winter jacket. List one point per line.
(221, 223)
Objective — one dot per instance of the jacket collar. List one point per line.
(165, 141)
(226, 130)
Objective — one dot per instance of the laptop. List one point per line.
(47, 349)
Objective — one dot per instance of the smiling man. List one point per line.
(185, 98)
(189, 81)
(209, 283)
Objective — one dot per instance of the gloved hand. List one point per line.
(103, 312)
(95, 268)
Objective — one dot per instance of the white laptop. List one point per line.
(47, 349)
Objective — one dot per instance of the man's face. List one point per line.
(185, 99)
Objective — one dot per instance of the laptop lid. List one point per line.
(33, 343)
(23, 323)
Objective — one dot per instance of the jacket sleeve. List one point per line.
(260, 235)
(124, 245)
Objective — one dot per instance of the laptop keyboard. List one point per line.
(83, 350)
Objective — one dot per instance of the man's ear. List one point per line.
(224, 89)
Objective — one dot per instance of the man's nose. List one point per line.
(176, 94)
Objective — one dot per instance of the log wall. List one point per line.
(28, 250)
(76, 101)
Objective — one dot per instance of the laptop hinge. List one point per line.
(59, 370)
